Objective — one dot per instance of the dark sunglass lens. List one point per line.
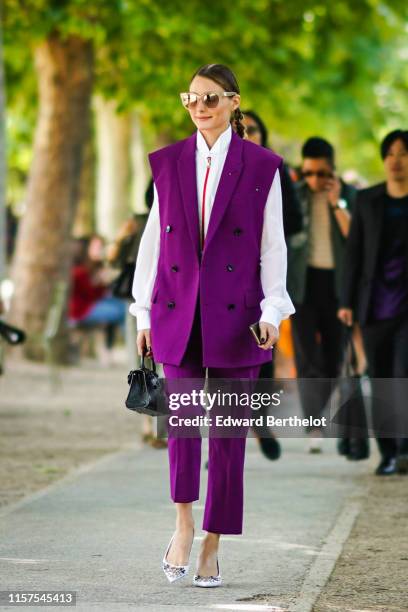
(211, 100)
(251, 130)
(321, 174)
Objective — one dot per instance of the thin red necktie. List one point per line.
(203, 201)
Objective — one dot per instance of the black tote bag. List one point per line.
(351, 416)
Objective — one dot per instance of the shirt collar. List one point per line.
(220, 146)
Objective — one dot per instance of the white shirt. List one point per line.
(276, 304)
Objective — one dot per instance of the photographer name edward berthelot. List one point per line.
(259, 421)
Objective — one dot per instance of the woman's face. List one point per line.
(254, 133)
(96, 249)
(208, 119)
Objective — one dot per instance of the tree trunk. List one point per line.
(84, 223)
(140, 172)
(65, 69)
(113, 167)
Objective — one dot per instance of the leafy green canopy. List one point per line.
(337, 69)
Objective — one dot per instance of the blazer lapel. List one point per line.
(186, 170)
(377, 210)
(228, 181)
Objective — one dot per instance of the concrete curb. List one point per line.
(320, 571)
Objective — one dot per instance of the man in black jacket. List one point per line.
(375, 291)
(315, 257)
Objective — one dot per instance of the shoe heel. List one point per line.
(174, 572)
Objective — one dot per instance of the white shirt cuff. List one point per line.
(143, 319)
(271, 315)
(142, 316)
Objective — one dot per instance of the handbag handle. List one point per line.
(351, 363)
(152, 360)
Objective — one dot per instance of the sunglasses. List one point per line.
(210, 99)
(319, 174)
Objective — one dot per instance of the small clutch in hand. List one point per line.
(146, 393)
(256, 332)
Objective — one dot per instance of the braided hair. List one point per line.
(239, 126)
(226, 79)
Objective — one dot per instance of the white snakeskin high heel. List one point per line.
(208, 581)
(175, 572)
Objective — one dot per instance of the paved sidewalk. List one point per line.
(101, 531)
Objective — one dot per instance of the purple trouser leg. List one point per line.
(224, 503)
(184, 450)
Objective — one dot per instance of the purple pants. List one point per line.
(225, 491)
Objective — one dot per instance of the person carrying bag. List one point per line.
(351, 416)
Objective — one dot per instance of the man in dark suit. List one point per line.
(375, 291)
(315, 257)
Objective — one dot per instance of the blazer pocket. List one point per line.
(252, 298)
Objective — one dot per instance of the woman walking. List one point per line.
(212, 261)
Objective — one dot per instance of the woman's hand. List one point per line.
(269, 335)
(346, 316)
(144, 345)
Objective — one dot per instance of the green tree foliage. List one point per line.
(334, 68)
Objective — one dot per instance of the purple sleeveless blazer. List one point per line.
(227, 279)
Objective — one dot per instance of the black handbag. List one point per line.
(354, 441)
(146, 393)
